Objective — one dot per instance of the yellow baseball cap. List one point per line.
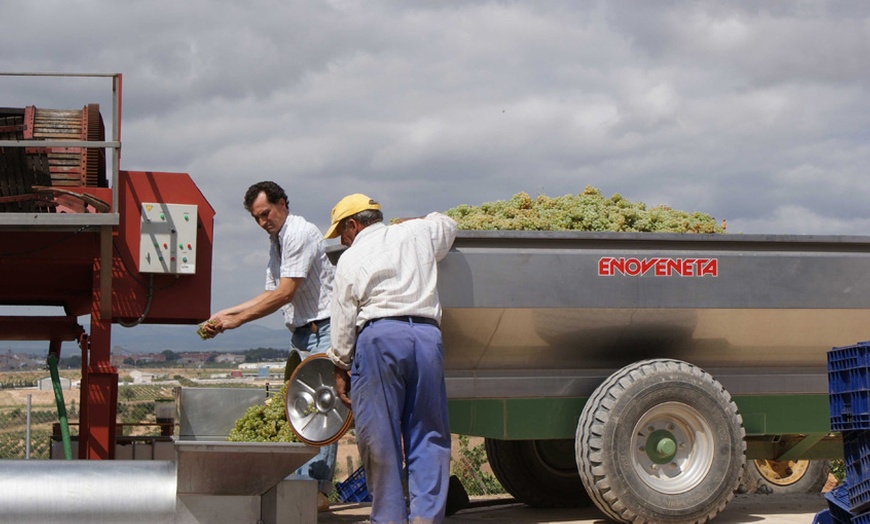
(349, 206)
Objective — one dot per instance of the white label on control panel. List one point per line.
(168, 239)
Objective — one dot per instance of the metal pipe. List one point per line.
(27, 431)
(61, 408)
(87, 491)
(60, 74)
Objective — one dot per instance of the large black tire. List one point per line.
(540, 473)
(771, 477)
(660, 441)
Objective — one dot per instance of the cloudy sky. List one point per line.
(754, 112)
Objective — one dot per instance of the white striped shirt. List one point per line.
(388, 271)
(298, 252)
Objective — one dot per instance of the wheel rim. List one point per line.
(782, 472)
(672, 448)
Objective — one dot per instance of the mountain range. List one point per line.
(178, 338)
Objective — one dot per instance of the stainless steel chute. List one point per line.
(315, 413)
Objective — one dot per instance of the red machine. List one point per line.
(138, 250)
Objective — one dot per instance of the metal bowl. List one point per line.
(315, 413)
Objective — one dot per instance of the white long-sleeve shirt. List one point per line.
(388, 271)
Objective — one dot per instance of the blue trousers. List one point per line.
(400, 413)
(322, 466)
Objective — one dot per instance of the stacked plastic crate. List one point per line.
(849, 398)
(354, 489)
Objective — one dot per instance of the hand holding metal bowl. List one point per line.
(315, 412)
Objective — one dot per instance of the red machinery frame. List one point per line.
(87, 263)
(61, 268)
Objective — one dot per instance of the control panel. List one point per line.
(168, 239)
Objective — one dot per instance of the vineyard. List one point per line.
(43, 415)
(135, 410)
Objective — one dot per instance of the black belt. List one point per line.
(314, 325)
(408, 319)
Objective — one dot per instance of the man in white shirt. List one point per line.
(299, 282)
(385, 322)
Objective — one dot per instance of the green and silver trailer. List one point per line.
(650, 374)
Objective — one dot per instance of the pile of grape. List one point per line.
(588, 211)
(264, 422)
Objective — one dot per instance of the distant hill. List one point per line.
(156, 338)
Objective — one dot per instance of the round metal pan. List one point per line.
(315, 413)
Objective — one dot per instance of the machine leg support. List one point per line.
(97, 433)
(291, 501)
(294, 499)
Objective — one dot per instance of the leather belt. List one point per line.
(314, 325)
(408, 319)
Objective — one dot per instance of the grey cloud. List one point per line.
(753, 112)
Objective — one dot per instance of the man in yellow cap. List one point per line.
(385, 320)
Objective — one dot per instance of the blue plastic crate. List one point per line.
(823, 517)
(849, 357)
(859, 496)
(850, 411)
(850, 402)
(863, 518)
(838, 505)
(849, 380)
(849, 387)
(354, 489)
(856, 458)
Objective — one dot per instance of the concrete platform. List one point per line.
(770, 509)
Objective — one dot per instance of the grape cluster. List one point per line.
(264, 422)
(201, 329)
(587, 211)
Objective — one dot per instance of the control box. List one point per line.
(168, 239)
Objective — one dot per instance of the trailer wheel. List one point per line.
(540, 473)
(781, 477)
(660, 441)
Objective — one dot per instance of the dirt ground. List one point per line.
(769, 509)
(18, 397)
(348, 456)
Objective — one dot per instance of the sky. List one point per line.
(754, 112)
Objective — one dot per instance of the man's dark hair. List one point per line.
(368, 217)
(273, 191)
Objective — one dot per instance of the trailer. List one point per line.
(645, 372)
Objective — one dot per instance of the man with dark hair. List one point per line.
(299, 281)
(385, 319)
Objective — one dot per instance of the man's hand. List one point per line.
(210, 328)
(342, 385)
(217, 324)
